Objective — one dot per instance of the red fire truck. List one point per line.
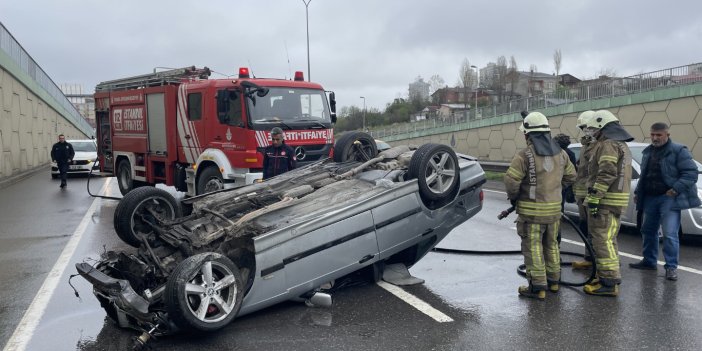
(180, 128)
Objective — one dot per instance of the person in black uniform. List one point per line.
(62, 153)
(278, 158)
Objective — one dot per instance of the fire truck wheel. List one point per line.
(435, 166)
(209, 180)
(355, 146)
(124, 177)
(204, 292)
(139, 208)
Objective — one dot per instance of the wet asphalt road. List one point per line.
(477, 291)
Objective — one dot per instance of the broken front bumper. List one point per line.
(118, 298)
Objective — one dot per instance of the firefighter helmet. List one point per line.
(535, 122)
(600, 119)
(583, 118)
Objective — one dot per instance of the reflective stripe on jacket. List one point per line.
(609, 174)
(535, 183)
(580, 186)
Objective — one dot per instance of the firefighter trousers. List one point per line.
(604, 229)
(542, 257)
(582, 224)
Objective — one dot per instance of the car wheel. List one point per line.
(435, 166)
(355, 146)
(204, 292)
(138, 208)
(124, 177)
(54, 176)
(209, 180)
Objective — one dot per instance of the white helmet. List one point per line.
(600, 119)
(583, 118)
(535, 122)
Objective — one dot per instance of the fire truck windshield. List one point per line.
(292, 108)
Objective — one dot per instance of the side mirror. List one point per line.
(332, 102)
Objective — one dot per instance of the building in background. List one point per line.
(84, 103)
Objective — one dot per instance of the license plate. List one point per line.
(74, 167)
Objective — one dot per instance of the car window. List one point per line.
(85, 146)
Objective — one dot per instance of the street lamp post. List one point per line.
(364, 112)
(477, 73)
(307, 21)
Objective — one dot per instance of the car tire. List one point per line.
(128, 220)
(54, 176)
(435, 166)
(125, 182)
(209, 180)
(187, 288)
(345, 150)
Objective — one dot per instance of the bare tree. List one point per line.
(500, 79)
(466, 79)
(436, 83)
(557, 61)
(513, 75)
(532, 69)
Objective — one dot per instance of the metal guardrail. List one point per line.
(26, 63)
(605, 87)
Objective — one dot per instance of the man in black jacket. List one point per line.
(278, 158)
(62, 153)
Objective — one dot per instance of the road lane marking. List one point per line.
(661, 263)
(415, 302)
(26, 327)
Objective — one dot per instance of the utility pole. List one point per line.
(307, 21)
(364, 112)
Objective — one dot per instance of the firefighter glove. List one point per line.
(593, 205)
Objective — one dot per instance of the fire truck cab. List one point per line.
(180, 128)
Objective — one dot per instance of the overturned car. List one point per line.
(237, 251)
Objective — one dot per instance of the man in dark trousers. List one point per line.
(668, 184)
(278, 158)
(62, 153)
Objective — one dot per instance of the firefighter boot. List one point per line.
(553, 286)
(534, 292)
(602, 287)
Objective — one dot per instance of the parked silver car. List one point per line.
(690, 220)
(241, 250)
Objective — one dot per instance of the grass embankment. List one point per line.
(490, 175)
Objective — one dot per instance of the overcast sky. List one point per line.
(357, 47)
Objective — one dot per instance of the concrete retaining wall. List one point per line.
(28, 128)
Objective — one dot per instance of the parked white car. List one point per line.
(690, 220)
(83, 160)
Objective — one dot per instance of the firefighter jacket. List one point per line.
(580, 186)
(278, 160)
(609, 174)
(535, 182)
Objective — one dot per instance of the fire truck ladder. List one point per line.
(154, 79)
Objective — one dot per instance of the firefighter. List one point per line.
(609, 176)
(579, 188)
(534, 181)
(279, 157)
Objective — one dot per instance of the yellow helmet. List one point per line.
(583, 118)
(535, 122)
(601, 118)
